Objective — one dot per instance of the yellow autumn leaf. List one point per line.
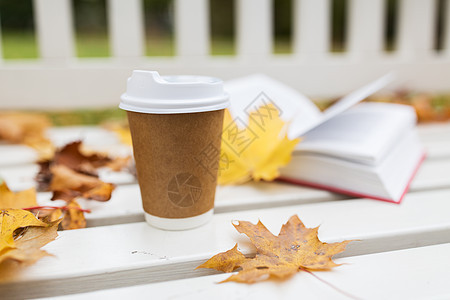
(11, 220)
(122, 131)
(22, 199)
(256, 151)
(21, 237)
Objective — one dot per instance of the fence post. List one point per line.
(53, 19)
(254, 28)
(366, 28)
(126, 27)
(192, 28)
(311, 28)
(416, 28)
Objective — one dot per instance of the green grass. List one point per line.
(92, 45)
(85, 116)
(159, 46)
(22, 44)
(222, 46)
(19, 44)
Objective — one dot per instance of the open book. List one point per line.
(369, 149)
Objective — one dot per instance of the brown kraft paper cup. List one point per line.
(177, 160)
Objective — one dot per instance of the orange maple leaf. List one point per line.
(295, 248)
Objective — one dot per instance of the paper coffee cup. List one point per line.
(176, 125)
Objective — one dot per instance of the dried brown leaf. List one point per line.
(74, 158)
(69, 184)
(73, 217)
(295, 248)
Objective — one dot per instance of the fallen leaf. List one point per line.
(121, 129)
(28, 129)
(24, 247)
(49, 215)
(11, 220)
(44, 176)
(86, 162)
(226, 261)
(120, 163)
(68, 184)
(73, 157)
(295, 248)
(9, 199)
(18, 127)
(73, 217)
(256, 151)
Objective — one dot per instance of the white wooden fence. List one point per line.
(60, 80)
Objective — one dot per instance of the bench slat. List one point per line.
(122, 255)
(125, 204)
(389, 275)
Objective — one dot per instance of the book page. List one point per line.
(249, 93)
(363, 133)
(298, 128)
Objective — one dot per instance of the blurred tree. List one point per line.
(222, 20)
(390, 30)
(282, 26)
(17, 28)
(91, 28)
(158, 15)
(338, 25)
(16, 15)
(159, 23)
(90, 15)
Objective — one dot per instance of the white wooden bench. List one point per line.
(120, 250)
(403, 249)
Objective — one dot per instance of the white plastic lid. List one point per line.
(148, 92)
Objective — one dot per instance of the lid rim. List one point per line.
(173, 111)
(148, 92)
